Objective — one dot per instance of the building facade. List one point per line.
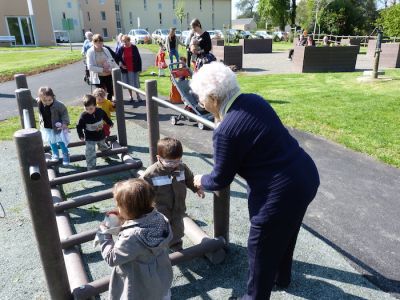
(154, 14)
(39, 22)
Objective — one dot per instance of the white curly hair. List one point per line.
(216, 80)
(88, 34)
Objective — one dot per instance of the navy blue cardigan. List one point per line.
(251, 141)
(137, 60)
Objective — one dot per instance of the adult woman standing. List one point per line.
(172, 43)
(282, 178)
(130, 63)
(200, 45)
(100, 62)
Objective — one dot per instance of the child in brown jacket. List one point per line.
(170, 179)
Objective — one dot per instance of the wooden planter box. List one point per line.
(350, 42)
(256, 45)
(325, 59)
(229, 55)
(217, 42)
(390, 55)
(371, 47)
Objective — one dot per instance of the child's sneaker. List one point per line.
(65, 160)
(54, 158)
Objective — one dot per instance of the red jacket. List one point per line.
(160, 60)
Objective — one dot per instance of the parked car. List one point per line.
(244, 34)
(178, 33)
(140, 36)
(264, 34)
(232, 35)
(61, 36)
(280, 35)
(214, 34)
(221, 34)
(184, 36)
(160, 35)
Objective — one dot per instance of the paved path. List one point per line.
(356, 210)
(67, 83)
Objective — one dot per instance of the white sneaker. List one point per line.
(54, 158)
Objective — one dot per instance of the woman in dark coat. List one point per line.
(201, 44)
(130, 63)
(282, 179)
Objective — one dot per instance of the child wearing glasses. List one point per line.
(170, 178)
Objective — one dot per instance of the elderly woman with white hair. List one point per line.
(87, 43)
(282, 178)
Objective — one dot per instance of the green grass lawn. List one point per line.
(9, 126)
(33, 60)
(25, 48)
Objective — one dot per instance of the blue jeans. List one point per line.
(54, 148)
(172, 53)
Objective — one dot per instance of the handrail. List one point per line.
(165, 103)
(184, 112)
(132, 88)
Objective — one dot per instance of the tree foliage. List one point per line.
(274, 11)
(389, 19)
(180, 11)
(247, 9)
(341, 17)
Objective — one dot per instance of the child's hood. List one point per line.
(152, 230)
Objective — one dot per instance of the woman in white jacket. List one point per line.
(100, 63)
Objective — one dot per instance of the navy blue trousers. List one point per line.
(272, 239)
(270, 254)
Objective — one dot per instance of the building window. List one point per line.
(173, 4)
(187, 20)
(69, 4)
(87, 2)
(160, 18)
(63, 14)
(159, 6)
(88, 16)
(103, 15)
(105, 32)
(174, 22)
(130, 18)
(213, 21)
(118, 24)
(212, 4)
(145, 4)
(201, 4)
(102, 2)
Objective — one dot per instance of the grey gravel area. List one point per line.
(320, 272)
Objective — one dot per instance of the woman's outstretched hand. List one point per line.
(197, 181)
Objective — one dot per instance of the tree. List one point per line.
(389, 19)
(349, 17)
(293, 8)
(304, 14)
(246, 7)
(180, 11)
(275, 10)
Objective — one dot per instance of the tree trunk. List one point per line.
(293, 13)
